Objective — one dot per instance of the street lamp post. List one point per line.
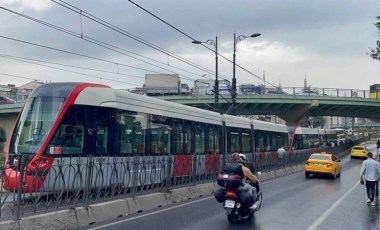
(216, 85)
(234, 91)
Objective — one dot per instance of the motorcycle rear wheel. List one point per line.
(232, 218)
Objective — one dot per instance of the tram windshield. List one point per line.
(35, 123)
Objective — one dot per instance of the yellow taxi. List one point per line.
(322, 163)
(359, 151)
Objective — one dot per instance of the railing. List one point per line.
(301, 91)
(75, 182)
(332, 92)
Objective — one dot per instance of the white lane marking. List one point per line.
(151, 213)
(324, 216)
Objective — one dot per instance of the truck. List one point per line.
(162, 84)
(206, 87)
(247, 89)
(374, 91)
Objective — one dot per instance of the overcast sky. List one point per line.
(326, 41)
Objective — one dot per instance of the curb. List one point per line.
(65, 219)
(100, 212)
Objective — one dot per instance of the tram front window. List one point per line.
(35, 122)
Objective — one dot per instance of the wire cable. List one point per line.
(126, 33)
(77, 54)
(97, 42)
(180, 31)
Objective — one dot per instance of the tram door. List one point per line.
(97, 125)
(97, 131)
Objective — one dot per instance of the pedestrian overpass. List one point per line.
(290, 108)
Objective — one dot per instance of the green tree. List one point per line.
(375, 53)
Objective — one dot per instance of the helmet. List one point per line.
(235, 156)
(243, 158)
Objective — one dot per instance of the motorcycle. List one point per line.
(236, 202)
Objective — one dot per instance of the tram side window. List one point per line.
(68, 138)
(188, 137)
(199, 138)
(259, 140)
(281, 141)
(132, 132)
(161, 132)
(218, 139)
(214, 133)
(246, 142)
(267, 140)
(298, 142)
(234, 142)
(178, 135)
(273, 142)
(101, 139)
(101, 122)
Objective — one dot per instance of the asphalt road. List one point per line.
(290, 202)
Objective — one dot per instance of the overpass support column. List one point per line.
(293, 118)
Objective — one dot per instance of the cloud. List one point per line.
(298, 38)
(26, 5)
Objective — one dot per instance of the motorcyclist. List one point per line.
(243, 160)
(247, 175)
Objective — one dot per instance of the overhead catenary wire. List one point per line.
(31, 60)
(70, 71)
(193, 39)
(78, 54)
(99, 43)
(11, 75)
(126, 33)
(106, 45)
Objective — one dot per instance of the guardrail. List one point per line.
(76, 182)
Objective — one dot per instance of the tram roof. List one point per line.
(113, 98)
(238, 122)
(305, 130)
(269, 126)
(328, 131)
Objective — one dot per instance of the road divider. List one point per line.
(112, 210)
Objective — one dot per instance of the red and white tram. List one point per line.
(65, 123)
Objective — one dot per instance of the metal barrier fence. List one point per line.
(74, 181)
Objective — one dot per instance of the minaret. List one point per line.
(305, 83)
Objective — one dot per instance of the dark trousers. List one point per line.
(370, 186)
(377, 188)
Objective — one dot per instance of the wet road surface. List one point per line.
(290, 202)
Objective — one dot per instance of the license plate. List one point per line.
(229, 204)
(225, 175)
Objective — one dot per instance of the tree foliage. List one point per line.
(375, 53)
